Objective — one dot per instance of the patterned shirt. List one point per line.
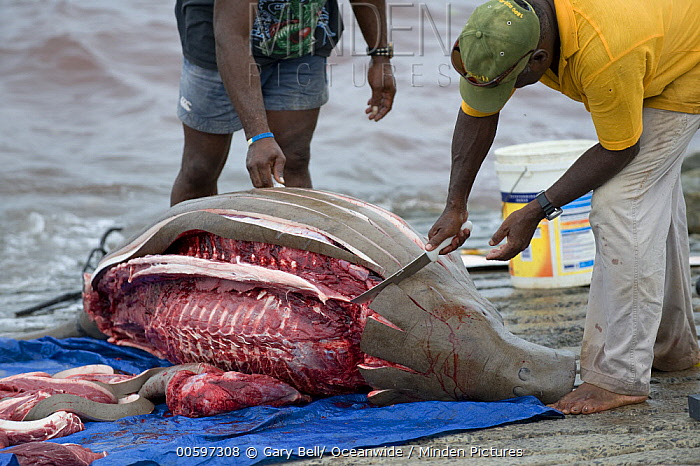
(282, 29)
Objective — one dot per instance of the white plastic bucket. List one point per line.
(561, 252)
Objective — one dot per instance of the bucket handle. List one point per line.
(515, 185)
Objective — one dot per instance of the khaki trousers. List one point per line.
(640, 312)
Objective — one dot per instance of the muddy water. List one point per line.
(89, 138)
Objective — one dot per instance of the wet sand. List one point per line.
(659, 431)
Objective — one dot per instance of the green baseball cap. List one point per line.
(494, 48)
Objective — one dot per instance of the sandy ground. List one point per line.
(659, 431)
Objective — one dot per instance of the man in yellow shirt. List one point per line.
(636, 68)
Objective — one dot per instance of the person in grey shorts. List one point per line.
(260, 66)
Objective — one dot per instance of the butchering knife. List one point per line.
(414, 266)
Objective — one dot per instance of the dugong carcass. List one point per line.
(260, 282)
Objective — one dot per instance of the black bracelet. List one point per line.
(387, 51)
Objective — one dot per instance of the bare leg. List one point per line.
(588, 399)
(203, 158)
(293, 131)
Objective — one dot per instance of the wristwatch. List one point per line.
(387, 51)
(550, 212)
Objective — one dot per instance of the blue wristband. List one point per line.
(260, 136)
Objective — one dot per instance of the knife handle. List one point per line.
(433, 255)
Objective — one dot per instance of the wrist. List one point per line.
(379, 59)
(534, 210)
(260, 136)
(455, 208)
(456, 201)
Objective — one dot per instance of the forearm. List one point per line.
(471, 142)
(371, 17)
(239, 73)
(596, 166)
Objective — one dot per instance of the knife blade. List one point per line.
(414, 266)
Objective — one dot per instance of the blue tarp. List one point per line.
(329, 426)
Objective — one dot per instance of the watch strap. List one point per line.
(550, 212)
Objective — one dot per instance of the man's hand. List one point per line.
(448, 225)
(380, 77)
(265, 160)
(518, 228)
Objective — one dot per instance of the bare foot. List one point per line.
(587, 399)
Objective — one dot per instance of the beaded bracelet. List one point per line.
(387, 51)
(260, 136)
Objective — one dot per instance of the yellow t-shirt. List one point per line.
(618, 57)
